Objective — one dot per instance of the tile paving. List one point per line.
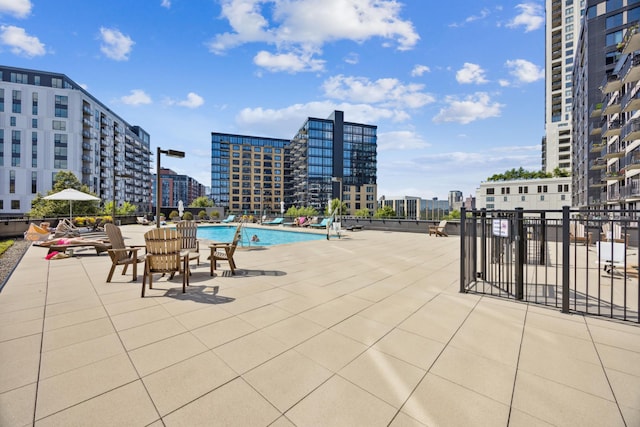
(366, 330)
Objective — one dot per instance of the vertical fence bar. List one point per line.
(463, 258)
(543, 238)
(483, 242)
(565, 259)
(520, 253)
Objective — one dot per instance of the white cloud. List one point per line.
(401, 140)
(289, 62)
(504, 82)
(387, 92)
(524, 71)
(471, 73)
(20, 42)
(306, 25)
(531, 17)
(273, 122)
(137, 97)
(474, 107)
(483, 14)
(352, 58)
(193, 101)
(115, 45)
(419, 70)
(166, 3)
(17, 8)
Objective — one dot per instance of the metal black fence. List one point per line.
(577, 261)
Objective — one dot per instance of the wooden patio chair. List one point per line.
(438, 230)
(66, 228)
(615, 234)
(122, 254)
(190, 243)
(577, 234)
(225, 251)
(164, 255)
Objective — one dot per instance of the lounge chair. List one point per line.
(190, 244)
(275, 221)
(611, 256)
(142, 220)
(438, 230)
(225, 251)
(615, 235)
(66, 228)
(228, 219)
(577, 234)
(296, 222)
(62, 244)
(36, 233)
(122, 254)
(321, 224)
(164, 255)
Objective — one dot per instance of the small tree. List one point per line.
(308, 211)
(334, 208)
(187, 216)
(202, 202)
(64, 180)
(385, 212)
(362, 213)
(202, 215)
(173, 215)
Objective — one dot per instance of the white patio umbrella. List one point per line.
(70, 194)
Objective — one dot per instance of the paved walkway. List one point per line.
(368, 330)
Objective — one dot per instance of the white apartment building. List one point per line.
(534, 194)
(561, 37)
(48, 123)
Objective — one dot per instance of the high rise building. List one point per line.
(561, 36)
(604, 81)
(175, 188)
(48, 123)
(326, 159)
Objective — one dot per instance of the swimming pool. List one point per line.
(266, 237)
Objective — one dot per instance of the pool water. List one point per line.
(266, 237)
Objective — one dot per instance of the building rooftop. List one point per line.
(365, 330)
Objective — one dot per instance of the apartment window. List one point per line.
(505, 190)
(15, 148)
(1, 147)
(523, 189)
(12, 121)
(19, 78)
(59, 125)
(612, 39)
(34, 182)
(34, 103)
(542, 197)
(1, 100)
(56, 83)
(16, 104)
(523, 198)
(490, 199)
(34, 123)
(559, 188)
(562, 197)
(633, 14)
(12, 182)
(15, 204)
(60, 151)
(36, 80)
(61, 106)
(490, 205)
(614, 21)
(491, 190)
(613, 5)
(505, 199)
(568, 36)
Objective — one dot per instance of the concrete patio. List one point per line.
(368, 330)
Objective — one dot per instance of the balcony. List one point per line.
(611, 128)
(595, 128)
(613, 153)
(631, 69)
(631, 130)
(612, 104)
(631, 40)
(614, 175)
(597, 183)
(634, 162)
(598, 147)
(598, 164)
(611, 83)
(595, 110)
(631, 101)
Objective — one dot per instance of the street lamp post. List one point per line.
(170, 153)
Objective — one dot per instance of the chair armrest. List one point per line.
(220, 245)
(130, 249)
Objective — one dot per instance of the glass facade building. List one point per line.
(324, 157)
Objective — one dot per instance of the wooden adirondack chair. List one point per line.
(120, 253)
(164, 255)
(225, 251)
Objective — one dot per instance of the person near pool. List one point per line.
(255, 238)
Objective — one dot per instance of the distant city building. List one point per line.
(537, 194)
(48, 123)
(434, 208)
(605, 111)
(252, 174)
(470, 202)
(175, 188)
(455, 200)
(406, 207)
(561, 37)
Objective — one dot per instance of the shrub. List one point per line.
(173, 215)
(187, 216)
(202, 215)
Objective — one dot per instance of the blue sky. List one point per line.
(455, 88)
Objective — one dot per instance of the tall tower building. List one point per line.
(561, 36)
(604, 84)
(49, 123)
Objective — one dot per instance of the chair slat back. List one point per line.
(189, 231)
(236, 238)
(116, 240)
(163, 250)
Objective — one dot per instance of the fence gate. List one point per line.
(576, 261)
